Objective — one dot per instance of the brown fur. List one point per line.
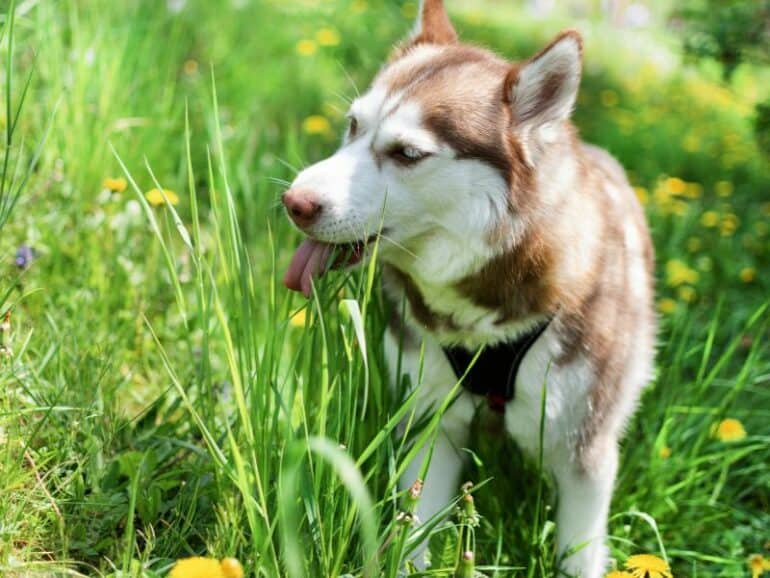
(450, 57)
(552, 84)
(516, 283)
(598, 323)
(398, 282)
(435, 27)
(470, 125)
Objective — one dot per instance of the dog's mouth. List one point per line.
(314, 258)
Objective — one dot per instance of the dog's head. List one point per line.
(446, 142)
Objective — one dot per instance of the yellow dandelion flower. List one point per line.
(676, 185)
(758, 564)
(709, 219)
(609, 98)
(298, 319)
(316, 124)
(155, 197)
(724, 188)
(648, 566)
(677, 207)
(686, 294)
(678, 273)
(327, 37)
(618, 574)
(306, 47)
(642, 195)
(728, 430)
(727, 229)
(748, 274)
(231, 568)
(190, 66)
(664, 452)
(693, 191)
(729, 224)
(116, 185)
(197, 567)
(666, 305)
(662, 194)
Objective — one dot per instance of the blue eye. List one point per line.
(407, 154)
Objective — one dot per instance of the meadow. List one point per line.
(163, 396)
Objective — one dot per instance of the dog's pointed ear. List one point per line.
(543, 89)
(433, 25)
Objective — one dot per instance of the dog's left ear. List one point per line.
(433, 25)
(543, 89)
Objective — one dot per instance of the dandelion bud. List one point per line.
(405, 519)
(469, 508)
(465, 569)
(416, 490)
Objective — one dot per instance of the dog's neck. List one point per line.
(489, 284)
(439, 258)
(471, 293)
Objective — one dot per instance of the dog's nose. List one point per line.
(302, 205)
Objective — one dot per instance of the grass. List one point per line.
(165, 396)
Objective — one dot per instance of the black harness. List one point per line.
(494, 373)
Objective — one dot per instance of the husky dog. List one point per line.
(498, 226)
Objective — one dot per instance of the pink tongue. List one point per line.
(309, 260)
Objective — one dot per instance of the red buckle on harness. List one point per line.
(496, 402)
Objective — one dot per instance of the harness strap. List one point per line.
(494, 373)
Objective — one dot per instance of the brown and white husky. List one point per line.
(495, 218)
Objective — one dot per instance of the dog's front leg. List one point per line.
(442, 481)
(584, 493)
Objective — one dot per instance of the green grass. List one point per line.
(158, 402)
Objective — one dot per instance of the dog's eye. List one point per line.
(406, 154)
(353, 127)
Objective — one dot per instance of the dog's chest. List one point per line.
(441, 317)
(465, 322)
(447, 316)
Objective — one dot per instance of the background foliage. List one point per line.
(161, 395)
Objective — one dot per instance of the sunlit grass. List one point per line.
(165, 396)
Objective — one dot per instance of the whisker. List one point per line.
(400, 246)
(289, 166)
(278, 181)
(342, 97)
(350, 79)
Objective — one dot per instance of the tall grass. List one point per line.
(164, 399)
